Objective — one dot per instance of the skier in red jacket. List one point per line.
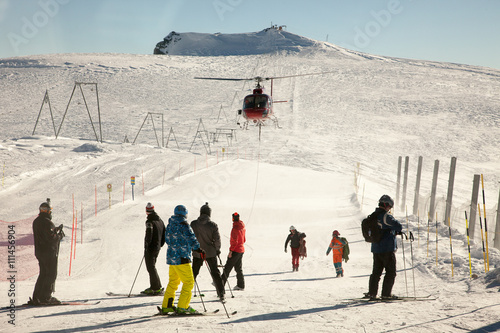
(235, 256)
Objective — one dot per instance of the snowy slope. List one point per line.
(368, 110)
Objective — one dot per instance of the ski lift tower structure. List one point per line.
(175, 139)
(200, 132)
(150, 114)
(46, 100)
(79, 85)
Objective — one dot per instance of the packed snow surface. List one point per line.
(334, 154)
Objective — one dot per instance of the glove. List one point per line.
(202, 253)
(59, 231)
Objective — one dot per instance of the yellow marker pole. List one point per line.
(436, 238)
(110, 188)
(418, 227)
(428, 231)
(407, 225)
(451, 247)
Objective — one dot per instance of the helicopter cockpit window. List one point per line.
(249, 102)
(261, 101)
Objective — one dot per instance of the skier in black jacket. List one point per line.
(153, 241)
(207, 233)
(47, 238)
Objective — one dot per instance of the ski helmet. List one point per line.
(386, 200)
(236, 217)
(181, 210)
(150, 208)
(335, 233)
(205, 209)
(292, 228)
(45, 208)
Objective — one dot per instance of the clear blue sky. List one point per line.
(442, 30)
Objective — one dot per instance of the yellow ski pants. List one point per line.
(177, 274)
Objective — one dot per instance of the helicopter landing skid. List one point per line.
(244, 126)
(275, 122)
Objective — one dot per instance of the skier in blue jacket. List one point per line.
(181, 242)
(384, 256)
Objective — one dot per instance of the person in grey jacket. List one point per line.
(207, 233)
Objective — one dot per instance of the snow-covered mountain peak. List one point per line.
(268, 40)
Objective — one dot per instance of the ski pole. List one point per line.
(482, 236)
(468, 243)
(201, 297)
(485, 226)
(412, 267)
(210, 272)
(226, 278)
(130, 293)
(404, 260)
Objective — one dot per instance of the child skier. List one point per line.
(181, 241)
(340, 248)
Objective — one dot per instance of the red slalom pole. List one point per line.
(72, 234)
(76, 230)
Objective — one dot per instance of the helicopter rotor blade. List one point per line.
(296, 75)
(260, 79)
(222, 78)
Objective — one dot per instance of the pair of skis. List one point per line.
(197, 314)
(173, 314)
(84, 302)
(112, 294)
(383, 300)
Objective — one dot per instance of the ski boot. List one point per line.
(187, 311)
(170, 309)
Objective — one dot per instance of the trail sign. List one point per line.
(132, 182)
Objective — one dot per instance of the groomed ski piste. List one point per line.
(368, 110)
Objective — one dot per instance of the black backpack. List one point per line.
(371, 230)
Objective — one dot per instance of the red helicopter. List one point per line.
(258, 107)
